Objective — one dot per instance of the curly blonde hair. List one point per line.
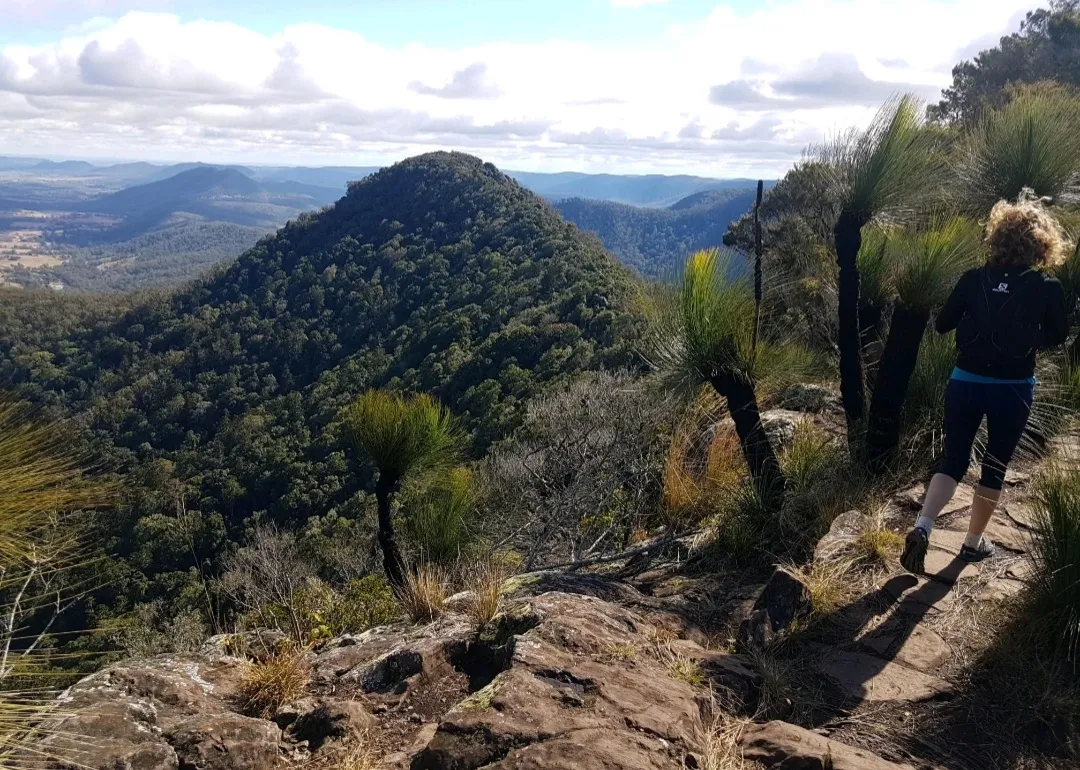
(1025, 234)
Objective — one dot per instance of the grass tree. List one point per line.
(41, 478)
(1031, 142)
(705, 332)
(925, 266)
(1056, 554)
(875, 285)
(881, 170)
(402, 436)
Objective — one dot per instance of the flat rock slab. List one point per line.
(947, 568)
(782, 745)
(1020, 569)
(1000, 589)
(916, 646)
(948, 540)
(913, 498)
(918, 595)
(1020, 513)
(873, 679)
(1001, 531)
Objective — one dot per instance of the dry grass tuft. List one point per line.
(485, 580)
(359, 756)
(424, 593)
(624, 651)
(720, 745)
(269, 684)
(686, 670)
(878, 545)
(829, 584)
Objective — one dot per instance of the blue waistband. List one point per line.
(962, 376)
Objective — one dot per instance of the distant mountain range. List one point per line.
(638, 190)
(132, 225)
(654, 241)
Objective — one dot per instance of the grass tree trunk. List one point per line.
(759, 252)
(848, 239)
(890, 390)
(393, 564)
(757, 449)
(871, 319)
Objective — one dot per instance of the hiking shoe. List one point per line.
(984, 550)
(913, 559)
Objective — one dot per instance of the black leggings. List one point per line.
(1006, 408)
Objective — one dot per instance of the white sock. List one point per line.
(973, 541)
(925, 523)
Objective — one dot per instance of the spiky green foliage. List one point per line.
(39, 476)
(875, 272)
(888, 167)
(706, 326)
(927, 263)
(402, 434)
(1031, 142)
(924, 409)
(1056, 551)
(436, 517)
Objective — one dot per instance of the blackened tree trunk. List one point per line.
(756, 447)
(890, 390)
(759, 251)
(848, 239)
(393, 564)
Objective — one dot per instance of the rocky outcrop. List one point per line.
(561, 679)
(780, 745)
(784, 600)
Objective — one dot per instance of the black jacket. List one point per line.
(1025, 305)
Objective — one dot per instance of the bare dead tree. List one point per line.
(582, 474)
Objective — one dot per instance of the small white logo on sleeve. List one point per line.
(1002, 288)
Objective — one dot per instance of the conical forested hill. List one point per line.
(438, 274)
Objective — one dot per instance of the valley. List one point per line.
(138, 225)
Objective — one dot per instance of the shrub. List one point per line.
(146, 631)
(424, 593)
(272, 582)
(436, 516)
(269, 684)
(1056, 552)
(364, 604)
(582, 474)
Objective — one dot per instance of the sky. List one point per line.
(707, 87)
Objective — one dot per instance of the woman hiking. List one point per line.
(1003, 313)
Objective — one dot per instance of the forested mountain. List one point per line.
(439, 274)
(655, 241)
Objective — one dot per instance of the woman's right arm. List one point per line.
(1056, 322)
(948, 318)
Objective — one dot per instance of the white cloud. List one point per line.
(737, 94)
